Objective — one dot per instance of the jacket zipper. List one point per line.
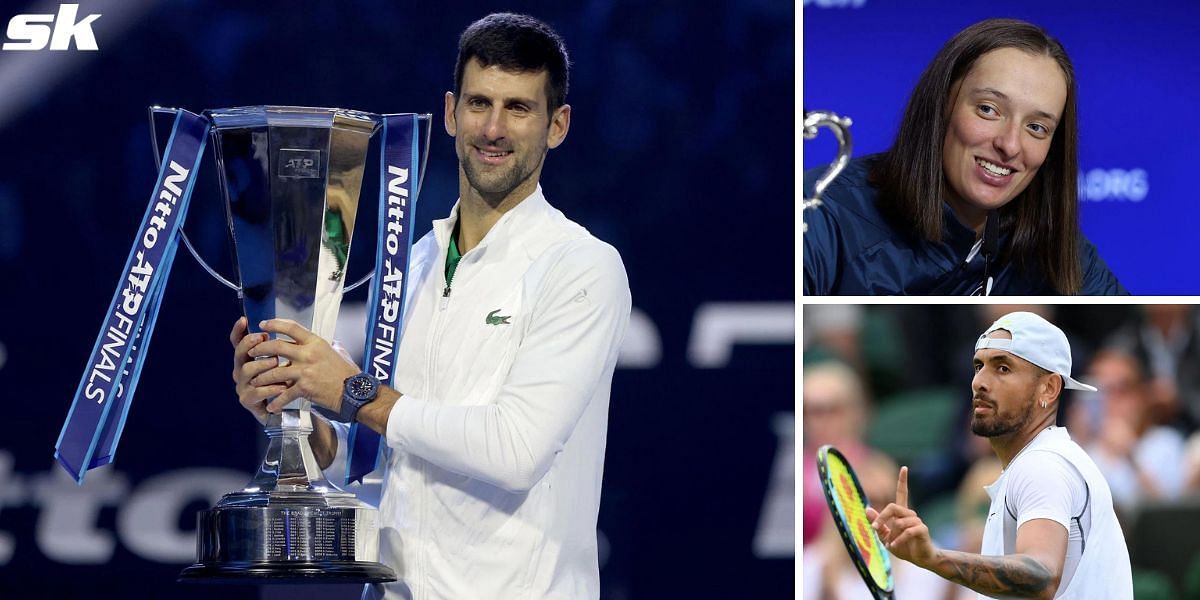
(446, 292)
(445, 300)
(962, 266)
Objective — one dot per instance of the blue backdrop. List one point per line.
(1138, 87)
(662, 161)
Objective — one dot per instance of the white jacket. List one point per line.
(496, 446)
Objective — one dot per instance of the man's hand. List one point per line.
(901, 530)
(245, 368)
(1033, 571)
(313, 370)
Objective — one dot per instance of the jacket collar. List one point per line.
(959, 237)
(510, 229)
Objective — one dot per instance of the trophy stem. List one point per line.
(289, 464)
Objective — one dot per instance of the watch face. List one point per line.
(361, 387)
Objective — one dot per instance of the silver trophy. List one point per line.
(841, 128)
(290, 178)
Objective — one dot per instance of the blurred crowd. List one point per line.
(1142, 428)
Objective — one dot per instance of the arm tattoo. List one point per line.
(1013, 575)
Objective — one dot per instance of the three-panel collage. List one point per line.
(397, 300)
(998, 379)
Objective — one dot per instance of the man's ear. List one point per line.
(450, 123)
(560, 123)
(1050, 389)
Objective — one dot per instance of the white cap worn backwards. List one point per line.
(1037, 341)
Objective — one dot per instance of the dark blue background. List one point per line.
(1138, 85)
(680, 154)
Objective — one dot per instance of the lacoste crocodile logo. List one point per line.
(495, 319)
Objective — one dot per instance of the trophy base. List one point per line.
(286, 573)
(287, 537)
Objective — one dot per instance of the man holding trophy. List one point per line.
(495, 427)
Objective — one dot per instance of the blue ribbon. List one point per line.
(93, 427)
(397, 203)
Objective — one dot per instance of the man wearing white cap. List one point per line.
(1051, 531)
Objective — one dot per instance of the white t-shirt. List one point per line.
(1046, 488)
(1052, 478)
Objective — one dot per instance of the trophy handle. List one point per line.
(428, 119)
(151, 112)
(841, 129)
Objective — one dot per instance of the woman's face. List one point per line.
(1003, 116)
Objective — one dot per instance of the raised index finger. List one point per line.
(902, 488)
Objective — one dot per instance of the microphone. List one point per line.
(991, 235)
(991, 247)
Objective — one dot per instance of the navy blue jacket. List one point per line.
(850, 249)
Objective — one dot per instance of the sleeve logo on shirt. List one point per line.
(494, 319)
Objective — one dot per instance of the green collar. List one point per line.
(452, 255)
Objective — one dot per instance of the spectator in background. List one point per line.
(1167, 341)
(1140, 460)
(868, 339)
(835, 412)
(833, 331)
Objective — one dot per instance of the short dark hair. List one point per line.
(1044, 218)
(516, 43)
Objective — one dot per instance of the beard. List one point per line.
(495, 183)
(997, 424)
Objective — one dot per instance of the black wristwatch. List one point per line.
(358, 390)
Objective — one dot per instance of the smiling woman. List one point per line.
(978, 193)
(997, 140)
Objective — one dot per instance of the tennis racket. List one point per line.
(848, 503)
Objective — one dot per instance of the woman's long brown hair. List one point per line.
(1043, 219)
